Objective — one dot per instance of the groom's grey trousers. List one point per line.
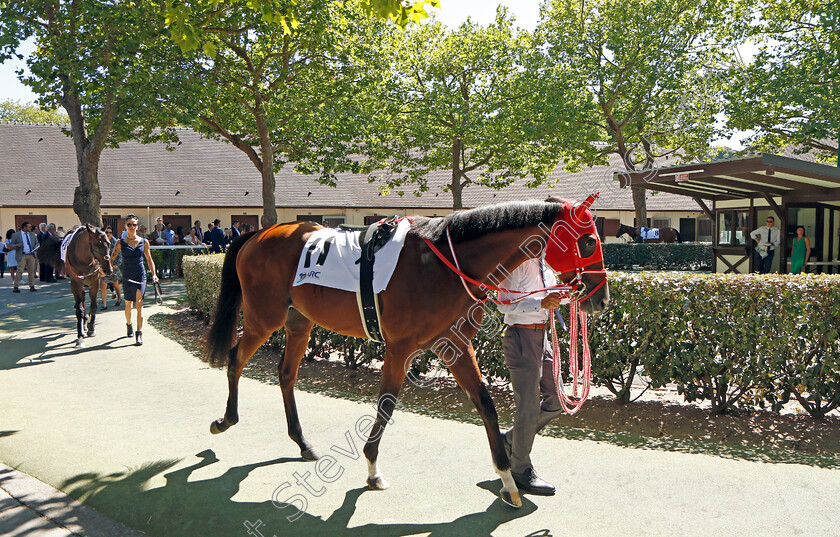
(528, 356)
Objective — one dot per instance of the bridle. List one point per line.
(563, 237)
(94, 266)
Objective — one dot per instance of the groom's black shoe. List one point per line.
(531, 483)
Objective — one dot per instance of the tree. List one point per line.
(192, 22)
(464, 101)
(788, 94)
(290, 96)
(15, 111)
(653, 69)
(107, 64)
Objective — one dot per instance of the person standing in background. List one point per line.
(767, 240)
(25, 243)
(800, 251)
(11, 258)
(206, 237)
(217, 237)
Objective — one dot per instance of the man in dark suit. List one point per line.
(217, 237)
(235, 229)
(42, 268)
(47, 271)
(206, 236)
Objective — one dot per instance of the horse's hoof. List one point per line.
(377, 483)
(511, 497)
(218, 426)
(80, 343)
(91, 334)
(310, 454)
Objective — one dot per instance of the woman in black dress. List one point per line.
(133, 248)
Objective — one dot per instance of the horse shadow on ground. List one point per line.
(26, 352)
(72, 350)
(13, 352)
(185, 508)
(4, 434)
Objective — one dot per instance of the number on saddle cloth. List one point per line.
(649, 233)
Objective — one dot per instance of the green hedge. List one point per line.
(203, 280)
(162, 259)
(660, 256)
(733, 340)
(746, 339)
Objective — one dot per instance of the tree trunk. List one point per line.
(455, 186)
(269, 184)
(640, 204)
(87, 197)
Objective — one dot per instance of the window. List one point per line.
(742, 227)
(733, 228)
(333, 221)
(661, 222)
(317, 218)
(725, 228)
(374, 218)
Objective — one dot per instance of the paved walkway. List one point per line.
(124, 430)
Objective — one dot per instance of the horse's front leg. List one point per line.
(464, 367)
(79, 306)
(94, 307)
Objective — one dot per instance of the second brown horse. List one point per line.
(424, 307)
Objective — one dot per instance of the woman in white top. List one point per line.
(11, 259)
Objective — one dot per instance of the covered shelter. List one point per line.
(738, 194)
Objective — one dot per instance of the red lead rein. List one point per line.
(572, 404)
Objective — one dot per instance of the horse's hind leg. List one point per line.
(252, 337)
(465, 370)
(298, 328)
(393, 375)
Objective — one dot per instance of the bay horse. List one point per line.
(666, 234)
(88, 256)
(425, 306)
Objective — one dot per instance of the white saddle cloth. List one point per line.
(335, 265)
(650, 233)
(66, 242)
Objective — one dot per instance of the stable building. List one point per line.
(739, 194)
(203, 179)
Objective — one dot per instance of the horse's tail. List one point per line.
(226, 317)
(49, 251)
(679, 239)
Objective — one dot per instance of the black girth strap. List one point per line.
(373, 240)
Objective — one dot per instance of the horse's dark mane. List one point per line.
(474, 223)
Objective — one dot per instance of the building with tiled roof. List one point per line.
(204, 179)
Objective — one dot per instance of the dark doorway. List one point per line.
(116, 222)
(688, 229)
(183, 220)
(250, 219)
(33, 219)
(317, 218)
